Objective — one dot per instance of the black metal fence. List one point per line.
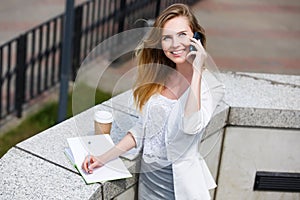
(30, 63)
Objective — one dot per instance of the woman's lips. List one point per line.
(177, 53)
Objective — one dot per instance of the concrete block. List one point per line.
(247, 150)
(258, 101)
(131, 193)
(25, 176)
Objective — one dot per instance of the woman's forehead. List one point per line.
(175, 25)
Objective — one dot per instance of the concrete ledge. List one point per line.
(49, 147)
(25, 176)
(39, 167)
(262, 100)
(258, 117)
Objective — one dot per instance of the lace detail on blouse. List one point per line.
(157, 115)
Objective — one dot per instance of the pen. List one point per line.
(89, 158)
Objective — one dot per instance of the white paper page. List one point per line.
(97, 145)
(78, 150)
(70, 156)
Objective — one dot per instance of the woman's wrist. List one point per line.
(197, 74)
(102, 160)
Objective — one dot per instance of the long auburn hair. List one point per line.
(153, 65)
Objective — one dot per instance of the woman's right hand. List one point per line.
(90, 163)
(197, 58)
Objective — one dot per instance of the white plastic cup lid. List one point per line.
(103, 117)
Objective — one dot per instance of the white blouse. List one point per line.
(163, 121)
(157, 112)
(169, 137)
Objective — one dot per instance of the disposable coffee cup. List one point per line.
(102, 122)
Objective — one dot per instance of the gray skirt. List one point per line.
(155, 182)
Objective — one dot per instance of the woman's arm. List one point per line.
(212, 91)
(91, 162)
(205, 93)
(193, 103)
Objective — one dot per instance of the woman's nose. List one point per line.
(175, 42)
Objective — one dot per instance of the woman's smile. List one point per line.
(178, 53)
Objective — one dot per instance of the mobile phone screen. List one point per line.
(197, 36)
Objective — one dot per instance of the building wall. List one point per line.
(247, 150)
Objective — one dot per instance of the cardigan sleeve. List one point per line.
(212, 92)
(137, 131)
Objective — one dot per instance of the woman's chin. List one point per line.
(179, 60)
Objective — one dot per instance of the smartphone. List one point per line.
(197, 36)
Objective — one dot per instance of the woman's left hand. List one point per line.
(198, 57)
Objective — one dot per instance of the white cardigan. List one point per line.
(182, 135)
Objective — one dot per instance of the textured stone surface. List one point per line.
(274, 78)
(112, 189)
(50, 144)
(24, 176)
(243, 91)
(260, 102)
(131, 193)
(264, 117)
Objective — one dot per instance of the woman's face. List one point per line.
(175, 39)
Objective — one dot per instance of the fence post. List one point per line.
(77, 40)
(20, 74)
(117, 42)
(66, 60)
(157, 11)
(122, 16)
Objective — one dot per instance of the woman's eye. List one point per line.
(182, 34)
(164, 38)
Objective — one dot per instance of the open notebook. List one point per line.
(80, 147)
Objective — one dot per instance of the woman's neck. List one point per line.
(178, 82)
(186, 70)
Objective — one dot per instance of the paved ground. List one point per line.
(243, 35)
(255, 36)
(17, 16)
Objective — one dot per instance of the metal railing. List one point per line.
(30, 63)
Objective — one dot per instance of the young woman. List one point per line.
(177, 97)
